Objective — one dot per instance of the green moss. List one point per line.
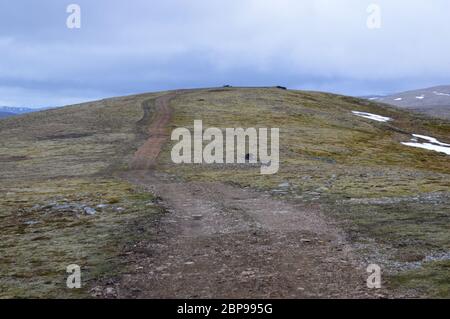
(433, 279)
(35, 256)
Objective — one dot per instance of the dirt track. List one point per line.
(219, 241)
(146, 155)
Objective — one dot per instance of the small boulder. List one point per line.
(31, 222)
(89, 211)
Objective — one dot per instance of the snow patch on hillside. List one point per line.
(441, 94)
(432, 144)
(430, 139)
(371, 116)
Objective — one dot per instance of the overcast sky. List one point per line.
(126, 47)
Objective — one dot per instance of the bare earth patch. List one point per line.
(218, 241)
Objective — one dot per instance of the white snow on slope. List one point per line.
(420, 97)
(433, 145)
(398, 99)
(371, 116)
(428, 146)
(441, 94)
(430, 139)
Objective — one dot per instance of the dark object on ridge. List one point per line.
(227, 86)
(281, 87)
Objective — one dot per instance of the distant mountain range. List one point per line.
(434, 101)
(7, 111)
(5, 114)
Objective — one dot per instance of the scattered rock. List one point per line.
(68, 207)
(64, 207)
(247, 273)
(48, 206)
(110, 292)
(31, 222)
(96, 291)
(89, 211)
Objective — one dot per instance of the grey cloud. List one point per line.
(139, 46)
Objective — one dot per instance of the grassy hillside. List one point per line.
(393, 200)
(54, 165)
